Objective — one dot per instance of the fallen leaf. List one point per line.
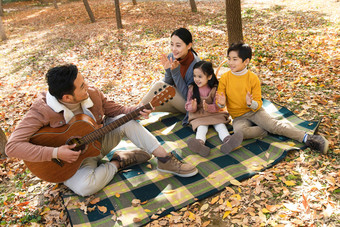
(94, 201)
(235, 182)
(102, 209)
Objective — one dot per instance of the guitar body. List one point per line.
(51, 171)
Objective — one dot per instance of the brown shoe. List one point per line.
(317, 143)
(198, 146)
(231, 142)
(171, 164)
(130, 158)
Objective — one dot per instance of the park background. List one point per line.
(296, 55)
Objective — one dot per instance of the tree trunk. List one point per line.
(3, 141)
(234, 21)
(118, 15)
(55, 4)
(2, 31)
(1, 9)
(134, 2)
(89, 11)
(193, 6)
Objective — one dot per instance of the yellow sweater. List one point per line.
(235, 89)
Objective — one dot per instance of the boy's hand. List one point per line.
(249, 98)
(220, 98)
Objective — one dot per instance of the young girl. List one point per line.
(178, 66)
(203, 111)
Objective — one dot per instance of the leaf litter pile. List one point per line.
(296, 55)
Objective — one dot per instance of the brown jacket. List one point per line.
(202, 117)
(41, 114)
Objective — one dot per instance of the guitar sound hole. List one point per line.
(79, 144)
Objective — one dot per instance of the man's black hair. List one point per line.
(61, 79)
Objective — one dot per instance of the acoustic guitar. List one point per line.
(83, 131)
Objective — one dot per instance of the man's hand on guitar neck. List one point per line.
(66, 153)
(145, 112)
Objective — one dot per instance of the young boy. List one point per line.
(240, 90)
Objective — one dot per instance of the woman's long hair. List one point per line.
(207, 69)
(185, 35)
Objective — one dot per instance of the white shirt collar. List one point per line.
(68, 114)
(241, 73)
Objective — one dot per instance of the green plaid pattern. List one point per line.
(163, 193)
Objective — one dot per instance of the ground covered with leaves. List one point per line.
(296, 55)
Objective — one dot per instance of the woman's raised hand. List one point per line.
(169, 63)
(165, 62)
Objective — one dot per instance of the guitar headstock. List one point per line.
(165, 94)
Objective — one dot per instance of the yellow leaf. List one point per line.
(147, 210)
(235, 182)
(226, 214)
(214, 200)
(237, 196)
(290, 183)
(264, 210)
(228, 204)
(192, 216)
(117, 195)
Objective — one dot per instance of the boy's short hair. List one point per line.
(243, 50)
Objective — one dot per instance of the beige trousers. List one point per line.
(91, 177)
(258, 124)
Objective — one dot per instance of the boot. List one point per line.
(198, 146)
(318, 143)
(231, 142)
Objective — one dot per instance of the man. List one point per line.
(68, 96)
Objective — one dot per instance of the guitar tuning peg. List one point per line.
(162, 104)
(160, 89)
(164, 86)
(155, 92)
(167, 101)
(171, 98)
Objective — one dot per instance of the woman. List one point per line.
(178, 72)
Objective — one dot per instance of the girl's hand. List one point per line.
(249, 98)
(220, 98)
(194, 104)
(205, 105)
(165, 62)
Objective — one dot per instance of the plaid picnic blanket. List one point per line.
(162, 193)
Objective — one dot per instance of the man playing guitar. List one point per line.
(68, 97)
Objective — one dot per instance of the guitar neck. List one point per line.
(96, 134)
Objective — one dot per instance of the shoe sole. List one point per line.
(178, 174)
(326, 145)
